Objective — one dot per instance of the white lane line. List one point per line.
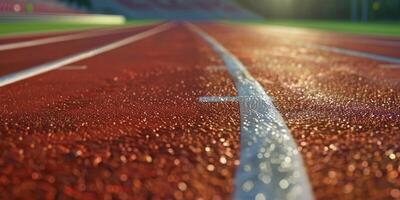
(49, 40)
(375, 41)
(215, 68)
(33, 71)
(354, 53)
(211, 99)
(345, 37)
(73, 67)
(271, 166)
(390, 66)
(267, 81)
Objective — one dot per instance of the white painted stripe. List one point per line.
(63, 18)
(211, 99)
(382, 42)
(344, 37)
(353, 53)
(390, 66)
(49, 40)
(73, 67)
(215, 68)
(17, 76)
(271, 166)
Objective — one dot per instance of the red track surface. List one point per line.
(18, 59)
(26, 37)
(343, 111)
(130, 125)
(34, 36)
(388, 46)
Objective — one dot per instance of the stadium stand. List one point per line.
(134, 9)
(173, 9)
(36, 7)
(56, 11)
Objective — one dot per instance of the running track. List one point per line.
(176, 113)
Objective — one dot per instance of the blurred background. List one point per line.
(360, 16)
(133, 9)
(355, 10)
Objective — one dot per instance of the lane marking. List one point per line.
(390, 66)
(215, 68)
(211, 99)
(346, 37)
(36, 70)
(376, 41)
(73, 67)
(354, 53)
(271, 166)
(267, 81)
(55, 39)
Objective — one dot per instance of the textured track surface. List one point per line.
(34, 36)
(18, 59)
(387, 46)
(130, 125)
(343, 111)
(133, 127)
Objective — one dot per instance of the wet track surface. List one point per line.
(26, 37)
(17, 59)
(343, 111)
(133, 127)
(130, 125)
(386, 46)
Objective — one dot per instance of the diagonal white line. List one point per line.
(73, 67)
(49, 40)
(214, 99)
(345, 37)
(215, 68)
(354, 53)
(271, 167)
(390, 66)
(33, 71)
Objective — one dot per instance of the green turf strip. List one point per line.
(14, 28)
(371, 28)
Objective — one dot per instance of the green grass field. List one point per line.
(372, 28)
(13, 28)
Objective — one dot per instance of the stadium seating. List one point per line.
(35, 6)
(173, 9)
(207, 5)
(136, 9)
